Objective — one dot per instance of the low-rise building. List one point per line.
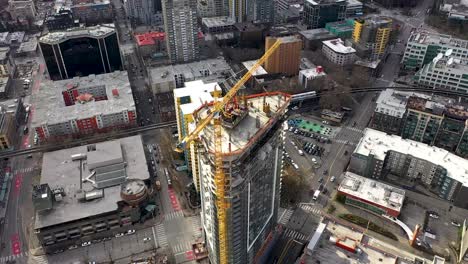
(167, 78)
(61, 20)
(5, 85)
(105, 192)
(336, 52)
(216, 25)
(444, 72)
(258, 76)
(371, 195)
(455, 10)
(83, 106)
(151, 43)
(28, 48)
(423, 47)
(313, 38)
(307, 76)
(341, 29)
(7, 66)
(379, 154)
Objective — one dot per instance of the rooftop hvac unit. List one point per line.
(94, 195)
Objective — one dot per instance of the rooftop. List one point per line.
(149, 38)
(199, 93)
(253, 125)
(324, 2)
(207, 70)
(317, 34)
(372, 191)
(28, 46)
(4, 52)
(98, 31)
(258, 72)
(313, 73)
(379, 143)
(51, 109)
(3, 83)
(337, 45)
(425, 37)
(68, 4)
(59, 171)
(221, 21)
(392, 102)
(455, 8)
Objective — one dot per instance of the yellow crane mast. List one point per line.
(220, 181)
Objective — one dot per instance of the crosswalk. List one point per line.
(342, 141)
(310, 209)
(39, 260)
(355, 129)
(294, 234)
(181, 247)
(12, 258)
(348, 135)
(285, 216)
(161, 235)
(24, 170)
(174, 215)
(196, 225)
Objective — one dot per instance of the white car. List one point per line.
(146, 239)
(434, 216)
(131, 231)
(455, 224)
(120, 235)
(332, 179)
(85, 244)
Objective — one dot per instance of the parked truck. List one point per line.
(316, 195)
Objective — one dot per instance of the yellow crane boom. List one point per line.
(221, 103)
(220, 180)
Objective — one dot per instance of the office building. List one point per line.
(423, 47)
(81, 51)
(8, 130)
(166, 78)
(83, 106)
(444, 72)
(456, 11)
(91, 12)
(258, 11)
(286, 59)
(341, 29)
(22, 10)
(213, 8)
(180, 23)
(317, 13)
(379, 154)
(398, 3)
(252, 150)
(371, 36)
(106, 190)
(371, 195)
(145, 12)
(186, 101)
(338, 53)
(390, 111)
(7, 66)
(354, 8)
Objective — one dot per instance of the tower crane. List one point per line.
(221, 203)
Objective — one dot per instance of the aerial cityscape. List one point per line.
(233, 132)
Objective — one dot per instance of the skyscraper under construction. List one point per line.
(252, 149)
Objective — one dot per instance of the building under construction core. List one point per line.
(252, 148)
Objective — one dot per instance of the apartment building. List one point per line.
(286, 59)
(181, 27)
(379, 155)
(423, 47)
(336, 52)
(145, 12)
(83, 106)
(371, 36)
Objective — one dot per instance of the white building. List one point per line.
(306, 76)
(337, 52)
(444, 72)
(22, 10)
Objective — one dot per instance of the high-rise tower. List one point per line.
(252, 149)
(180, 23)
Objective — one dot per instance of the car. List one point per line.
(434, 216)
(29, 156)
(25, 130)
(332, 179)
(295, 107)
(320, 180)
(321, 187)
(72, 247)
(131, 231)
(454, 223)
(146, 239)
(119, 235)
(85, 244)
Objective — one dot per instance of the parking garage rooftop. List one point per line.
(60, 170)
